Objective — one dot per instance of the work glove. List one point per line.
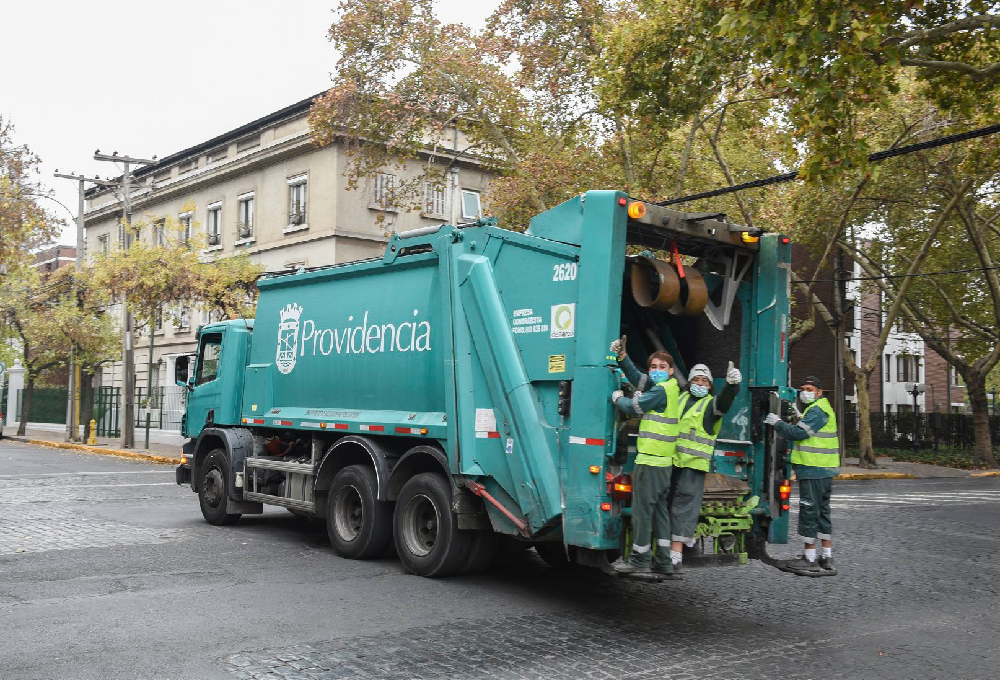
(616, 395)
(733, 375)
(618, 347)
(796, 411)
(771, 419)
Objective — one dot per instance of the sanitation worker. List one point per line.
(700, 421)
(656, 401)
(815, 459)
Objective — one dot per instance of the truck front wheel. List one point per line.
(428, 540)
(359, 525)
(213, 492)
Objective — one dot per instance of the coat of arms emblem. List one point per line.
(288, 337)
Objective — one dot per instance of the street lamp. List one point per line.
(915, 389)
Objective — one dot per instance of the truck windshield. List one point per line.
(208, 358)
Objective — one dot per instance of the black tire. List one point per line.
(482, 552)
(554, 555)
(428, 540)
(359, 525)
(213, 490)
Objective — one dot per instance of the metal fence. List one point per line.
(163, 405)
(48, 405)
(107, 411)
(896, 430)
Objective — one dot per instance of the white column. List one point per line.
(15, 383)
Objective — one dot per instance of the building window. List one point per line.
(434, 199)
(184, 317)
(218, 154)
(244, 212)
(158, 319)
(184, 219)
(907, 368)
(213, 225)
(471, 207)
(246, 143)
(888, 368)
(102, 244)
(187, 166)
(297, 201)
(385, 184)
(160, 233)
(955, 376)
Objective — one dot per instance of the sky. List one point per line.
(149, 79)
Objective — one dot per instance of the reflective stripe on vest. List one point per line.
(823, 448)
(693, 439)
(658, 429)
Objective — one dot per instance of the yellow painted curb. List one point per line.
(988, 473)
(875, 475)
(99, 451)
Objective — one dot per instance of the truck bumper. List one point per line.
(183, 474)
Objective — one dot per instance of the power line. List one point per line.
(875, 157)
(903, 276)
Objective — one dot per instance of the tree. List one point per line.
(24, 224)
(830, 61)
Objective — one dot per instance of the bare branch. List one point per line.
(977, 74)
(965, 24)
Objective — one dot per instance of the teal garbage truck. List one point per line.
(453, 394)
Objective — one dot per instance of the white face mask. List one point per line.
(807, 397)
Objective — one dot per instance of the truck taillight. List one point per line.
(784, 491)
(620, 487)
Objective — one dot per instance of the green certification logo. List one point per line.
(563, 321)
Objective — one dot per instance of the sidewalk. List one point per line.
(889, 469)
(164, 445)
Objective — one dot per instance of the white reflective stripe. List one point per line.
(811, 432)
(824, 537)
(642, 381)
(660, 419)
(693, 452)
(664, 543)
(814, 449)
(825, 435)
(641, 549)
(803, 501)
(691, 436)
(669, 438)
(635, 404)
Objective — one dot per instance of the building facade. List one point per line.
(266, 190)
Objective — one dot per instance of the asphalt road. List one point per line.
(107, 570)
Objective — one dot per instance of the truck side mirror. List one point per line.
(181, 371)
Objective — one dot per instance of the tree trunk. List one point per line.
(976, 385)
(86, 401)
(866, 452)
(26, 398)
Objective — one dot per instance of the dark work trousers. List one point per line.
(650, 514)
(686, 489)
(814, 509)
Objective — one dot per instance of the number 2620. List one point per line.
(564, 272)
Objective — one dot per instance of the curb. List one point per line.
(99, 451)
(988, 473)
(875, 475)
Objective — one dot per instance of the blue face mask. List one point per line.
(699, 390)
(659, 376)
(807, 397)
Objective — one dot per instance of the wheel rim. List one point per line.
(214, 487)
(348, 513)
(420, 525)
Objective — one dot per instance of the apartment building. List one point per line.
(266, 190)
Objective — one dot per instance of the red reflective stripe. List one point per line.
(258, 421)
(734, 453)
(404, 430)
(282, 422)
(493, 435)
(373, 428)
(594, 442)
(782, 346)
(340, 426)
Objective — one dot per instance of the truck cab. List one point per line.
(215, 380)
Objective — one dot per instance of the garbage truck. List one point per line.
(453, 394)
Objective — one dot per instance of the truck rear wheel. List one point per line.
(555, 555)
(213, 491)
(482, 552)
(359, 525)
(428, 540)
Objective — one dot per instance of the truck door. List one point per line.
(203, 399)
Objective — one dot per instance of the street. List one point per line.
(109, 571)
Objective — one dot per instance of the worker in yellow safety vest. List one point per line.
(816, 461)
(656, 401)
(700, 421)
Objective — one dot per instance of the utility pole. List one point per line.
(128, 368)
(72, 417)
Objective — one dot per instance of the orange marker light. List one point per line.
(747, 238)
(595, 469)
(636, 210)
(623, 488)
(322, 426)
(184, 460)
(606, 507)
(423, 430)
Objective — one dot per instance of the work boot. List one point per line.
(826, 564)
(625, 567)
(801, 566)
(672, 573)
